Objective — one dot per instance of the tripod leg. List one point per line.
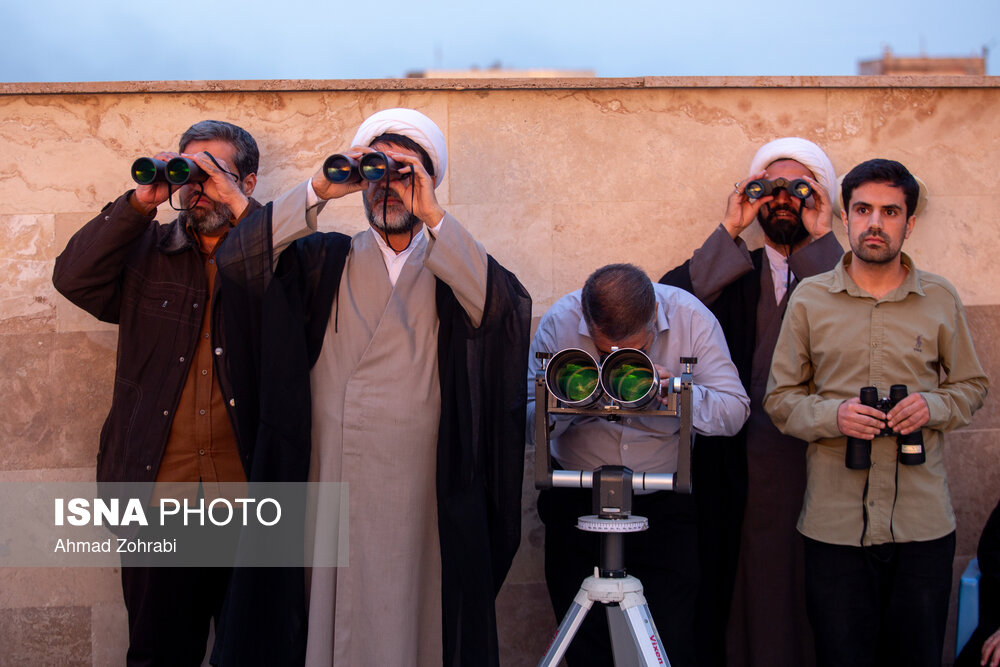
(567, 629)
(632, 628)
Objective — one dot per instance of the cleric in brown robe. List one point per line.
(759, 468)
(393, 361)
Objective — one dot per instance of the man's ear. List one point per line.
(248, 184)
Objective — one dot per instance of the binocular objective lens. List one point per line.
(577, 381)
(178, 171)
(338, 170)
(801, 189)
(374, 167)
(754, 190)
(144, 171)
(630, 382)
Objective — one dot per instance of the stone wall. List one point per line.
(555, 177)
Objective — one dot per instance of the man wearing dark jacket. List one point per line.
(759, 469)
(172, 417)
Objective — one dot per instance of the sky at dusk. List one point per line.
(109, 40)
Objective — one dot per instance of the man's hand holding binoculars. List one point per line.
(221, 186)
(400, 172)
(818, 220)
(856, 420)
(742, 209)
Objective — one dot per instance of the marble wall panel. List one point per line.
(45, 636)
(54, 396)
(555, 182)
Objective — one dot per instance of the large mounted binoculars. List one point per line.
(372, 167)
(762, 187)
(573, 382)
(858, 455)
(627, 376)
(176, 171)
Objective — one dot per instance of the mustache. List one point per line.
(882, 236)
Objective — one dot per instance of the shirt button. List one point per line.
(201, 412)
(206, 335)
(211, 261)
(181, 360)
(218, 351)
(166, 412)
(201, 451)
(232, 402)
(204, 372)
(195, 305)
(148, 468)
(625, 447)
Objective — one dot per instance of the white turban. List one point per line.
(805, 153)
(413, 125)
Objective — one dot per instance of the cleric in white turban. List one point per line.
(392, 361)
(751, 589)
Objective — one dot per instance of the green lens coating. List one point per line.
(576, 381)
(631, 382)
(178, 171)
(144, 171)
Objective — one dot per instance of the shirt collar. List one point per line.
(842, 281)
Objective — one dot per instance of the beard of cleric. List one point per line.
(397, 219)
(207, 221)
(782, 231)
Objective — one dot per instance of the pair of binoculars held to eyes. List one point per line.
(372, 167)
(911, 446)
(762, 187)
(627, 376)
(176, 171)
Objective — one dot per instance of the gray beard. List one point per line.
(397, 223)
(210, 221)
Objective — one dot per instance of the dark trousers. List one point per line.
(664, 558)
(169, 610)
(882, 605)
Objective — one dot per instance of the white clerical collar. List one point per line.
(779, 272)
(394, 262)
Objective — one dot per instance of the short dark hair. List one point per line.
(408, 144)
(247, 154)
(618, 301)
(881, 170)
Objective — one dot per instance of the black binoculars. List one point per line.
(762, 187)
(372, 167)
(911, 447)
(176, 171)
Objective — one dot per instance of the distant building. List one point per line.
(891, 64)
(498, 72)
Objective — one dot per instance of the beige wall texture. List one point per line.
(555, 177)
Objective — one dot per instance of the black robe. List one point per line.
(480, 453)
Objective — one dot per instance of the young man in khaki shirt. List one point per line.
(879, 539)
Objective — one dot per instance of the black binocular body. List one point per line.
(762, 187)
(176, 171)
(374, 167)
(911, 446)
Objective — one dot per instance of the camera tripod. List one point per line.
(634, 638)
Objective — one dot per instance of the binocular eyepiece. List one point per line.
(176, 171)
(763, 187)
(911, 446)
(627, 376)
(372, 167)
